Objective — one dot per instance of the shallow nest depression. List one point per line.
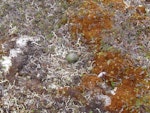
(35, 76)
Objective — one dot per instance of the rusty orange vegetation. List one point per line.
(119, 68)
(116, 4)
(90, 20)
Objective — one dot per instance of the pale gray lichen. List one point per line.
(6, 64)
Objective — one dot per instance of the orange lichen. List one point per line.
(118, 68)
(90, 81)
(125, 96)
(113, 63)
(108, 62)
(89, 21)
(116, 4)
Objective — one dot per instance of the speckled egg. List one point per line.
(72, 57)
